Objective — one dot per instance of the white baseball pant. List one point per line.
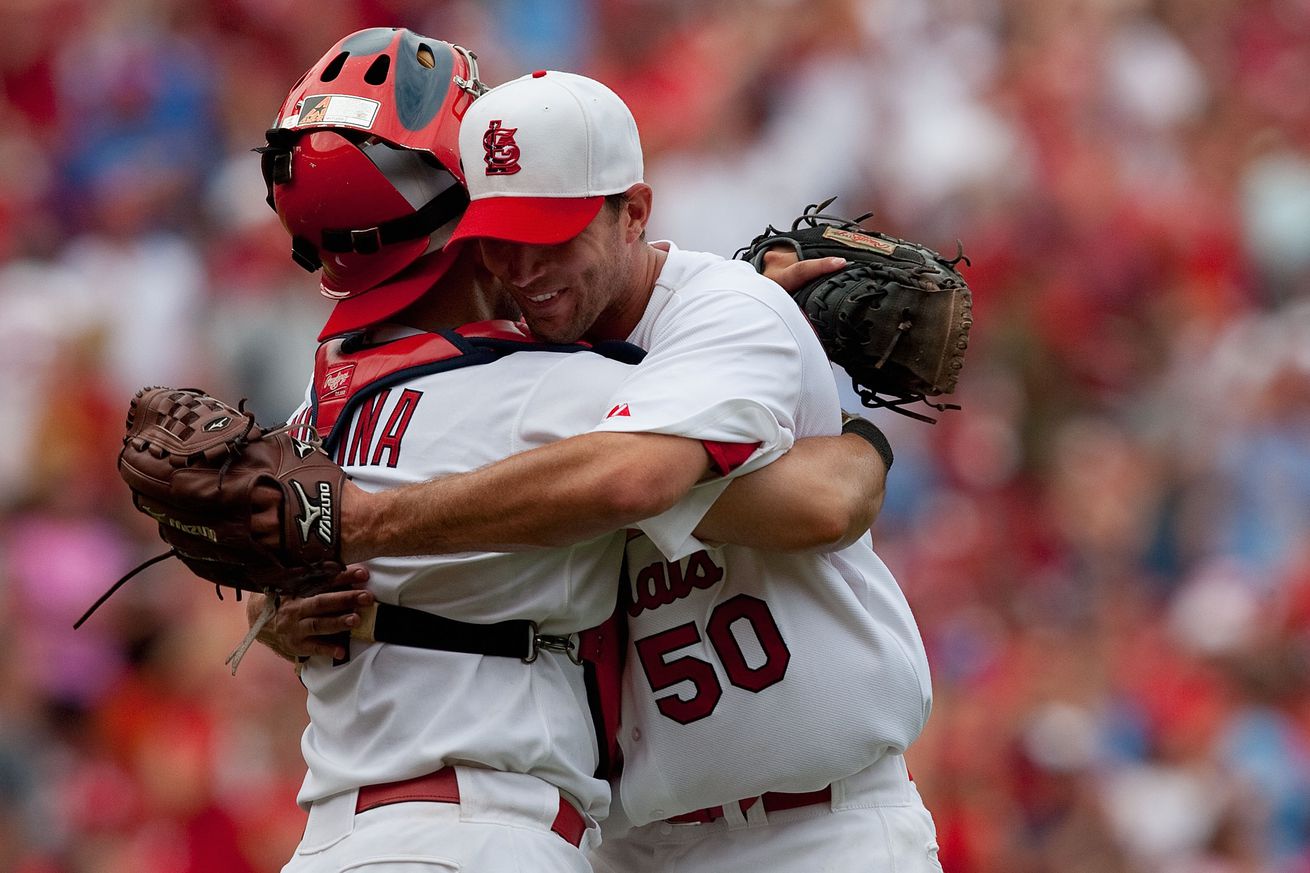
(875, 822)
(501, 824)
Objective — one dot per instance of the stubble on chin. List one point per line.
(562, 334)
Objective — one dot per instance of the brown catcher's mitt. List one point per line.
(896, 318)
(193, 463)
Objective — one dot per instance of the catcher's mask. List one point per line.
(362, 167)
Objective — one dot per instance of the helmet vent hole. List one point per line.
(426, 57)
(377, 71)
(332, 70)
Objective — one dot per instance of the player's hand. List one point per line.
(308, 626)
(782, 266)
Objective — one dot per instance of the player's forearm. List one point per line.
(568, 492)
(823, 494)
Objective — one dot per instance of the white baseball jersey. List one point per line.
(749, 671)
(394, 712)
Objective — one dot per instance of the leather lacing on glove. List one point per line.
(271, 603)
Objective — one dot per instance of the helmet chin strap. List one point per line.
(445, 207)
(275, 160)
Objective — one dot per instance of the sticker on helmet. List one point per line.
(338, 109)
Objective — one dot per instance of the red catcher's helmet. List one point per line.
(362, 167)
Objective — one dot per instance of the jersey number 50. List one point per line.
(662, 674)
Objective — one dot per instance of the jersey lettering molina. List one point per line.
(395, 712)
(749, 671)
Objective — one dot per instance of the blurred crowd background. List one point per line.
(1106, 549)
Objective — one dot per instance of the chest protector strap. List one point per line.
(406, 626)
(347, 371)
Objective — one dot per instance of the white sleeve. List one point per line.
(569, 396)
(724, 368)
(573, 394)
(300, 415)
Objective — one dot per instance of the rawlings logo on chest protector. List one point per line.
(336, 381)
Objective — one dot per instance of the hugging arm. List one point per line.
(824, 494)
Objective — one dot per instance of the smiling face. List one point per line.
(589, 286)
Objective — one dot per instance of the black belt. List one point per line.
(406, 626)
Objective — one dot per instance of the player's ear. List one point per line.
(635, 212)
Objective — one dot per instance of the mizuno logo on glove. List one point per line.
(317, 514)
(198, 530)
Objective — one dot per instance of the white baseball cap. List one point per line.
(540, 154)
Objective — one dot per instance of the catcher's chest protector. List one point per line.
(347, 372)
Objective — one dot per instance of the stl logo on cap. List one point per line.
(502, 151)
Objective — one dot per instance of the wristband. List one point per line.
(869, 432)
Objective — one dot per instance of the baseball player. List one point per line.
(430, 751)
(445, 750)
(767, 697)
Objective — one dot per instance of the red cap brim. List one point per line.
(543, 221)
(393, 295)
